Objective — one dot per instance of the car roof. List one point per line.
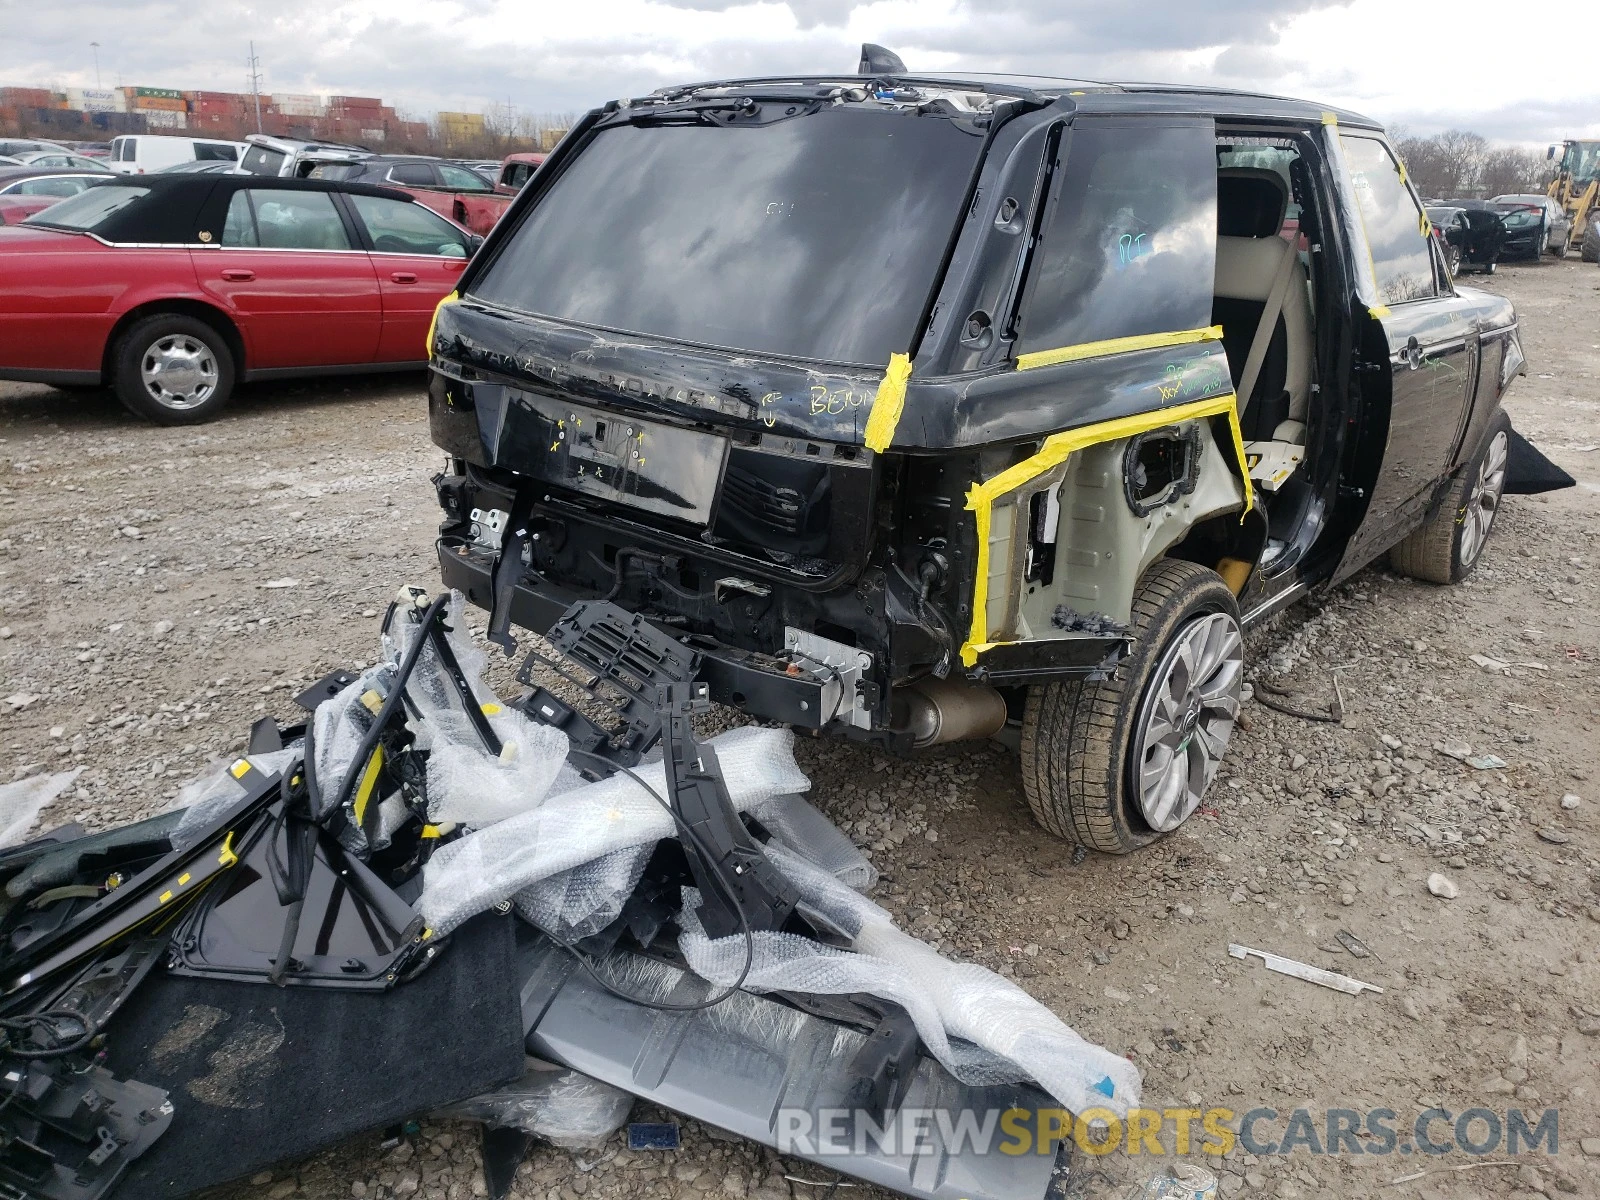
(1089, 96)
(169, 214)
(12, 174)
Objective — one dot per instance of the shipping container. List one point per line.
(97, 99)
(157, 93)
(298, 105)
(159, 104)
(161, 118)
(25, 97)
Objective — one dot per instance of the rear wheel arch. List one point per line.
(198, 309)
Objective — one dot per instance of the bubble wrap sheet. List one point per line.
(565, 1108)
(982, 1028)
(494, 864)
(466, 784)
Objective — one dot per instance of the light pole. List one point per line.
(95, 46)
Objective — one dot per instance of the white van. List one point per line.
(141, 153)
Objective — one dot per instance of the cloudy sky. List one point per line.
(1427, 66)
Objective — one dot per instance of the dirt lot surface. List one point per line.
(160, 589)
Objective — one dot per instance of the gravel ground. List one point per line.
(160, 589)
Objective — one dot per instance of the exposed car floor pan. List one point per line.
(761, 1069)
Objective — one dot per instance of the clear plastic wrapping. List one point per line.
(982, 1028)
(22, 802)
(566, 1108)
(476, 872)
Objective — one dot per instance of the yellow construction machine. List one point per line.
(1576, 188)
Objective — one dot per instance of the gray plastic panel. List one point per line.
(757, 1067)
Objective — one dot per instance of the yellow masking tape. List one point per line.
(240, 769)
(888, 404)
(369, 780)
(433, 324)
(1329, 119)
(1378, 312)
(1142, 341)
(227, 857)
(1057, 447)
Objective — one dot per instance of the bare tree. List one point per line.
(1510, 170)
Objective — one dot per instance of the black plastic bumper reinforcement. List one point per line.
(739, 679)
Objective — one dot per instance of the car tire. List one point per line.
(1590, 250)
(1488, 268)
(173, 369)
(1450, 544)
(1452, 261)
(1084, 743)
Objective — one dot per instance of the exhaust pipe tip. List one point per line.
(941, 710)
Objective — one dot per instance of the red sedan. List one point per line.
(172, 288)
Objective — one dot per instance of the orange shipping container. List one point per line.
(24, 97)
(159, 104)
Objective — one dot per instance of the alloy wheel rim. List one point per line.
(179, 371)
(1484, 501)
(1186, 719)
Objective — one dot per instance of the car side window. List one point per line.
(412, 174)
(51, 187)
(398, 227)
(288, 220)
(1396, 232)
(239, 227)
(462, 179)
(1128, 244)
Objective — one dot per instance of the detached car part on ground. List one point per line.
(924, 408)
(687, 930)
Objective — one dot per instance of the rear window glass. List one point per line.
(88, 208)
(342, 170)
(817, 237)
(1128, 244)
(215, 152)
(259, 160)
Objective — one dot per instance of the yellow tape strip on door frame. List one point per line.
(1122, 345)
(1056, 448)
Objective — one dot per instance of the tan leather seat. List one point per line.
(1246, 268)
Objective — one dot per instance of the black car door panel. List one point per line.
(1420, 362)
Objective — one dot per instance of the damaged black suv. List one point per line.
(925, 408)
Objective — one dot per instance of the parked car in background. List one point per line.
(28, 190)
(1557, 222)
(13, 147)
(170, 288)
(515, 171)
(1485, 237)
(1535, 225)
(450, 190)
(294, 158)
(1450, 228)
(488, 168)
(142, 153)
(203, 168)
(7, 161)
(66, 159)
